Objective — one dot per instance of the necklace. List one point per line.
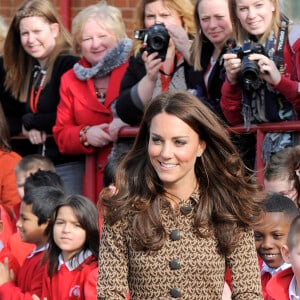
(100, 95)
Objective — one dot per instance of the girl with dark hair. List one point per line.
(73, 236)
(182, 209)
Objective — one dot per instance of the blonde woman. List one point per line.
(85, 121)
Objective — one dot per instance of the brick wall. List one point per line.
(128, 8)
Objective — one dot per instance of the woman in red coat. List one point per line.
(85, 122)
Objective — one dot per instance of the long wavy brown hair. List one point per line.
(228, 200)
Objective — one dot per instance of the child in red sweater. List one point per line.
(73, 237)
(36, 208)
(7, 260)
(271, 234)
(285, 284)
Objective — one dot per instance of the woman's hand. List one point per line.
(36, 137)
(232, 64)
(180, 39)
(267, 68)
(114, 128)
(152, 65)
(98, 135)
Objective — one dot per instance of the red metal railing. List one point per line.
(259, 130)
(90, 163)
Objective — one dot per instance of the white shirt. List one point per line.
(272, 271)
(292, 290)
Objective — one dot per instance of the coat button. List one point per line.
(175, 235)
(99, 166)
(185, 209)
(175, 264)
(175, 292)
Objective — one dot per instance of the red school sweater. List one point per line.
(29, 280)
(78, 283)
(12, 261)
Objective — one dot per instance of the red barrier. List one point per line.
(259, 130)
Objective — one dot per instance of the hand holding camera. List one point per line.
(268, 70)
(232, 64)
(156, 39)
(250, 65)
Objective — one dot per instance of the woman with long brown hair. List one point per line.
(182, 209)
(37, 51)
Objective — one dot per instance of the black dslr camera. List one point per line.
(157, 39)
(249, 74)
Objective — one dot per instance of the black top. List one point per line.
(12, 108)
(20, 113)
(126, 108)
(210, 95)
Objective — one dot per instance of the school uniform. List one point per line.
(12, 261)
(18, 248)
(282, 286)
(74, 279)
(29, 280)
(267, 274)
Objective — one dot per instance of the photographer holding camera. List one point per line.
(161, 55)
(269, 48)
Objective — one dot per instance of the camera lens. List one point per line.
(157, 42)
(249, 70)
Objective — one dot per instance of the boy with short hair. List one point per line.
(27, 166)
(285, 284)
(36, 208)
(271, 234)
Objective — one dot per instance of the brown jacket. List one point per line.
(187, 267)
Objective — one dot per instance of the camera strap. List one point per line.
(281, 39)
(167, 78)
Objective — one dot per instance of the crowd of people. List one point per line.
(180, 213)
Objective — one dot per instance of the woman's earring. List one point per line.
(199, 155)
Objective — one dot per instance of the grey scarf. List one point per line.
(113, 59)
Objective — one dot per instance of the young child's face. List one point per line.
(20, 178)
(282, 186)
(293, 257)
(270, 234)
(68, 234)
(28, 226)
